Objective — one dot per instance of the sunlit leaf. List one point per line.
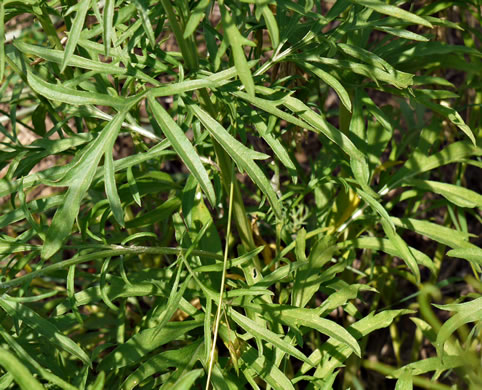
(43, 327)
(183, 147)
(265, 334)
(81, 12)
(243, 156)
(83, 174)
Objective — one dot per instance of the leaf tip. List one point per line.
(63, 65)
(48, 250)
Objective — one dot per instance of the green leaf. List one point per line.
(142, 8)
(460, 196)
(266, 369)
(39, 205)
(340, 351)
(197, 216)
(449, 113)
(331, 81)
(261, 332)
(99, 382)
(297, 317)
(176, 358)
(236, 42)
(110, 186)
(19, 372)
(366, 56)
(361, 172)
(300, 248)
(108, 19)
(419, 163)
(274, 144)
(271, 107)
(182, 377)
(436, 232)
(389, 247)
(134, 190)
(405, 381)
(35, 298)
(114, 290)
(32, 362)
(55, 174)
(377, 113)
(195, 17)
(309, 276)
(394, 11)
(183, 148)
(73, 96)
(212, 81)
(444, 23)
(434, 48)
(471, 254)
(272, 26)
(338, 7)
(466, 312)
(187, 379)
(401, 33)
(405, 252)
(341, 297)
(81, 62)
(319, 122)
(243, 292)
(398, 79)
(432, 364)
(14, 247)
(75, 31)
(157, 215)
(38, 120)
(237, 262)
(432, 8)
(377, 206)
(43, 327)
(144, 342)
(242, 156)
(83, 174)
(281, 153)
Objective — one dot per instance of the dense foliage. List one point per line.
(240, 194)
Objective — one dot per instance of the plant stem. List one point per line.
(187, 48)
(223, 280)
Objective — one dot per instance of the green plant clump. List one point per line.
(240, 194)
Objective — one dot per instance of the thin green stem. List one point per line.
(223, 280)
(116, 251)
(417, 380)
(187, 48)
